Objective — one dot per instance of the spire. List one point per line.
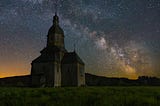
(55, 19)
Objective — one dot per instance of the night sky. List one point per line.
(115, 38)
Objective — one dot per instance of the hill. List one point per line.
(91, 80)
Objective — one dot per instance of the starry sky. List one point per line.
(115, 38)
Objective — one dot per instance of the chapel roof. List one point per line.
(72, 57)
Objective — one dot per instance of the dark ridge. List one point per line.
(91, 80)
(16, 81)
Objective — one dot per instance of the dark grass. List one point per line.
(81, 96)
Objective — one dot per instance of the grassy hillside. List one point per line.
(87, 96)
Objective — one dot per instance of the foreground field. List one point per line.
(87, 96)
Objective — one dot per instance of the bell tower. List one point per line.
(55, 35)
(46, 69)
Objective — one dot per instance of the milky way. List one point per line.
(115, 38)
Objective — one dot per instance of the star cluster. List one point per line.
(116, 38)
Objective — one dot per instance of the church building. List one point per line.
(56, 66)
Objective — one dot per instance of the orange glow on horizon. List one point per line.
(14, 69)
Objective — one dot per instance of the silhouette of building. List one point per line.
(55, 66)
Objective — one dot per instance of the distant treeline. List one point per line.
(93, 80)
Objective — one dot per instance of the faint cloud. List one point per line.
(101, 43)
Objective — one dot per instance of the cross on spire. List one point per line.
(55, 18)
(56, 6)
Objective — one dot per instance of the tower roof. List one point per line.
(71, 57)
(55, 28)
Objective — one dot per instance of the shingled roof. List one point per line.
(47, 55)
(71, 57)
(55, 29)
